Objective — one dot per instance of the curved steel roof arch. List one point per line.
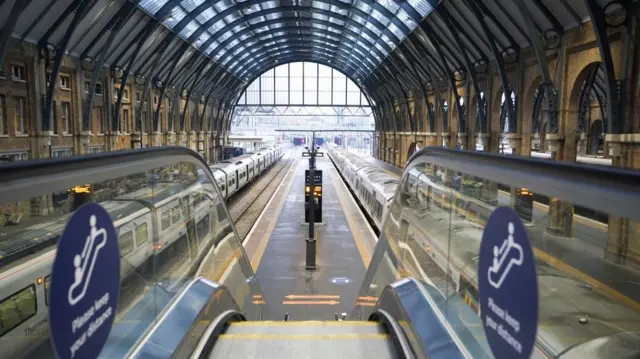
(214, 26)
(250, 73)
(288, 39)
(332, 58)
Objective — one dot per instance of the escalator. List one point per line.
(204, 322)
(292, 339)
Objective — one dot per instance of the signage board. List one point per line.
(85, 284)
(508, 286)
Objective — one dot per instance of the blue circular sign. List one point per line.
(85, 284)
(508, 286)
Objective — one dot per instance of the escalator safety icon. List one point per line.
(84, 262)
(505, 258)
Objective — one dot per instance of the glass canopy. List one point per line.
(247, 36)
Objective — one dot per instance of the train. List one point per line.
(299, 141)
(233, 174)
(178, 225)
(373, 187)
(437, 231)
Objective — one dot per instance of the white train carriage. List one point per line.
(230, 171)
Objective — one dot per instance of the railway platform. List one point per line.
(276, 247)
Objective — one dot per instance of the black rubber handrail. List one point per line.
(24, 169)
(21, 180)
(610, 190)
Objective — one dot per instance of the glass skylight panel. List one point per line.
(212, 46)
(319, 5)
(202, 39)
(177, 14)
(406, 19)
(222, 37)
(188, 30)
(255, 20)
(423, 7)
(391, 5)
(152, 6)
(220, 6)
(362, 6)
(273, 16)
(357, 18)
(231, 44)
(396, 31)
(336, 21)
(206, 15)
(373, 29)
(217, 26)
(319, 16)
(268, 4)
(379, 47)
(190, 5)
(378, 16)
(338, 10)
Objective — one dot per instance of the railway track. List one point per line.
(245, 209)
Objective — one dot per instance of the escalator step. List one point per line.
(304, 328)
(280, 346)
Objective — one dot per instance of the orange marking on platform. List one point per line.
(368, 298)
(366, 304)
(312, 296)
(258, 296)
(258, 302)
(310, 302)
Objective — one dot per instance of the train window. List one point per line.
(17, 309)
(166, 220)
(142, 234)
(126, 243)
(47, 285)
(175, 214)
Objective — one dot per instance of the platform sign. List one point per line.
(508, 286)
(85, 284)
(317, 177)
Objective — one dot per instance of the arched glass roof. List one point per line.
(354, 35)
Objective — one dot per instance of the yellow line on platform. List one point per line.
(596, 284)
(355, 229)
(268, 323)
(257, 257)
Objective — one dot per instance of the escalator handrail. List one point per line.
(614, 191)
(395, 330)
(31, 178)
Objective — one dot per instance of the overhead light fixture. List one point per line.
(170, 18)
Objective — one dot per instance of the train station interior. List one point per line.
(319, 179)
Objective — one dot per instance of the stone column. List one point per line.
(623, 243)
(560, 212)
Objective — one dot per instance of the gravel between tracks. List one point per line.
(245, 208)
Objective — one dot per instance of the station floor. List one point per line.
(276, 248)
(581, 256)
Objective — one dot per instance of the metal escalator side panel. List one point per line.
(398, 336)
(208, 339)
(428, 330)
(183, 321)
